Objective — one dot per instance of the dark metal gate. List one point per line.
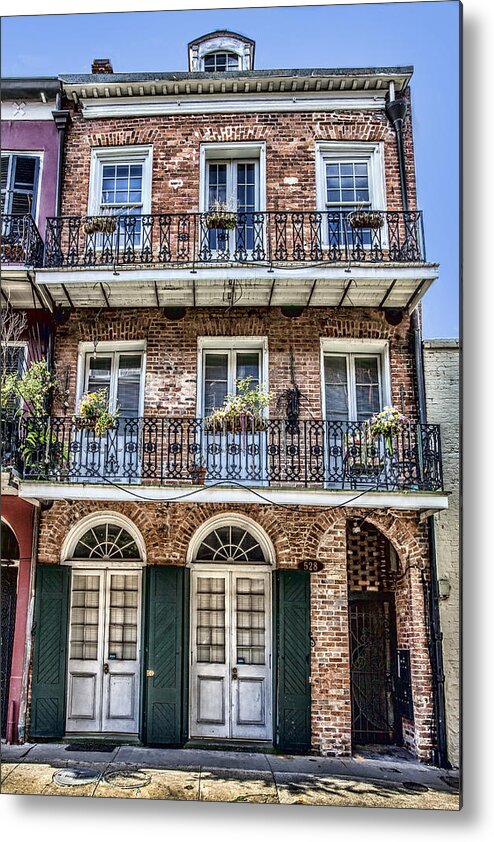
(372, 664)
(9, 595)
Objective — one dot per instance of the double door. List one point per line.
(234, 185)
(231, 694)
(104, 651)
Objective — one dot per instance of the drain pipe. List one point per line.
(396, 111)
(61, 117)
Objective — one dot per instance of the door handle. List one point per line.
(106, 669)
(234, 673)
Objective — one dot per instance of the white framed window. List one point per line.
(234, 173)
(119, 368)
(20, 178)
(120, 184)
(224, 360)
(355, 379)
(348, 176)
(221, 61)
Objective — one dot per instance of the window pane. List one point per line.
(215, 381)
(248, 365)
(128, 387)
(335, 370)
(367, 387)
(99, 373)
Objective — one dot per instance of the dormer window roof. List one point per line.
(221, 51)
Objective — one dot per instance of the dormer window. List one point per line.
(220, 62)
(220, 51)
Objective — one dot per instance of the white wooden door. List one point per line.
(104, 652)
(231, 654)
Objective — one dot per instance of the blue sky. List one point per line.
(424, 34)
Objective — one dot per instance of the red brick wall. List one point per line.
(301, 533)
(171, 358)
(290, 152)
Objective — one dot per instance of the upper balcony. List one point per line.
(261, 258)
(304, 462)
(21, 250)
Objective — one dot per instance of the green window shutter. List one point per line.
(293, 660)
(164, 643)
(50, 651)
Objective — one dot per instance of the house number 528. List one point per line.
(310, 566)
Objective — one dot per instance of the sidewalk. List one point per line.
(377, 779)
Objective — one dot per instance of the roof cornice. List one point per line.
(348, 80)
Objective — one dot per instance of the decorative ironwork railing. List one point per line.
(269, 237)
(164, 450)
(21, 242)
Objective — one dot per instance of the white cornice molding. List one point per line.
(147, 107)
(20, 110)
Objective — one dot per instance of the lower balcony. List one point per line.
(165, 453)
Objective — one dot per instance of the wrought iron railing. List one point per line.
(21, 242)
(164, 450)
(269, 237)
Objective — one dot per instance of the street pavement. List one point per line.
(368, 779)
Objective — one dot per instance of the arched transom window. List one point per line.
(231, 545)
(107, 541)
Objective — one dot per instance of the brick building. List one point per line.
(262, 578)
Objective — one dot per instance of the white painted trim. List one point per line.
(226, 344)
(241, 521)
(73, 536)
(411, 500)
(32, 110)
(112, 154)
(243, 104)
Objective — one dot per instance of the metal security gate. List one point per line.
(9, 598)
(372, 664)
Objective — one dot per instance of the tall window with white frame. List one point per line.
(121, 195)
(19, 184)
(120, 374)
(233, 185)
(222, 369)
(353, 386)
(348, 188)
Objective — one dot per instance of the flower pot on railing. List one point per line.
(82, 423)
(366, 219)
(100, 225)
(13, 251)
(244, 422)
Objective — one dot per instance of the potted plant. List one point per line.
(104, 224)
(387, 423)
(360, 453)
(220, 216)
(242, 411)
(94, 413)
(198, 474)
(366, 218)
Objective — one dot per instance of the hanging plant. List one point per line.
(100, 225)
(241, 412)
(94, 413)
(387, 423)
(366, 219)
(221, 217)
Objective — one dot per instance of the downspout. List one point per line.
(62, 119)
(396, 111)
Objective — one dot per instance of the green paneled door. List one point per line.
(50, 651)
(164, 655)
(293, 660)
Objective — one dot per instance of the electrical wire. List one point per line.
(221, 483)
